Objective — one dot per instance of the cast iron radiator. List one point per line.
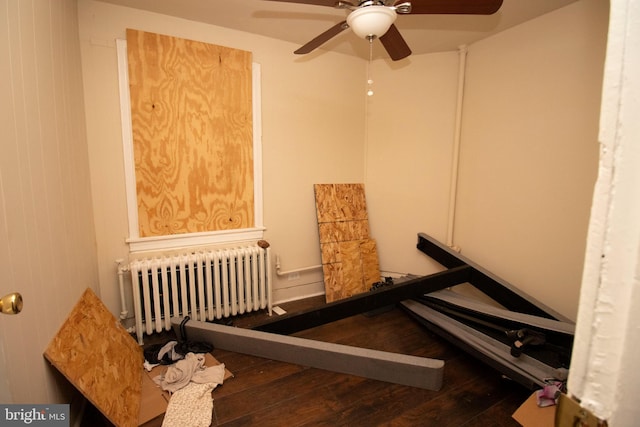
(206, 285)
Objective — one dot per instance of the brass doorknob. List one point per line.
(11, 303)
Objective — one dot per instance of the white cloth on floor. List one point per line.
(179, 374)
(169, 348)
(191, 384)
(211, 374)
(190, 369)
(190, 406)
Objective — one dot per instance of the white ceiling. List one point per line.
(299, 23)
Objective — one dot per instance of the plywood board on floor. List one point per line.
(97, 355)
(350, 268)
(349, 255)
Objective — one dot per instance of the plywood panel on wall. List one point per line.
(349, 255)
(191, 111)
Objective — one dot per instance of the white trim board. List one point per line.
(604, 374)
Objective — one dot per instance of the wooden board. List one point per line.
(369, 260)
(192, 125)
(351, 268)
(374, 364)
(340, 202)
(349, 255)
(97, 355)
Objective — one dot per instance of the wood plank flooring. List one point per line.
(285, 394)
(271, 393)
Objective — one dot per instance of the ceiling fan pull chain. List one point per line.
(369, 81)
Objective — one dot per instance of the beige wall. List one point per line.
(312, 132)
(529, 151)
(47, 237)
(528, 154)
(411, 123)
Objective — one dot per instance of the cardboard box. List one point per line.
(99, 357)
(529, 414)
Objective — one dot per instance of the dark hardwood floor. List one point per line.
(271, 393)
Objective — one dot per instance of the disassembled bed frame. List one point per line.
(525, 340)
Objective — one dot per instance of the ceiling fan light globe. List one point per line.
(371, 21)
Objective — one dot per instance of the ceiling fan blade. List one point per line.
(330, 3)
(463, 7)
(394, 43)
(322, 38)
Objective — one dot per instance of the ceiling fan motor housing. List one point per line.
(371, 21)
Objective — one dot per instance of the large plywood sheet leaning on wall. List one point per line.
(97, 355)
(349, 255)
(192, 125)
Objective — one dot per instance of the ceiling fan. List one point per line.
(372, 19)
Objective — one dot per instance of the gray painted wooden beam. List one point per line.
(524, 369)
(374, 364)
